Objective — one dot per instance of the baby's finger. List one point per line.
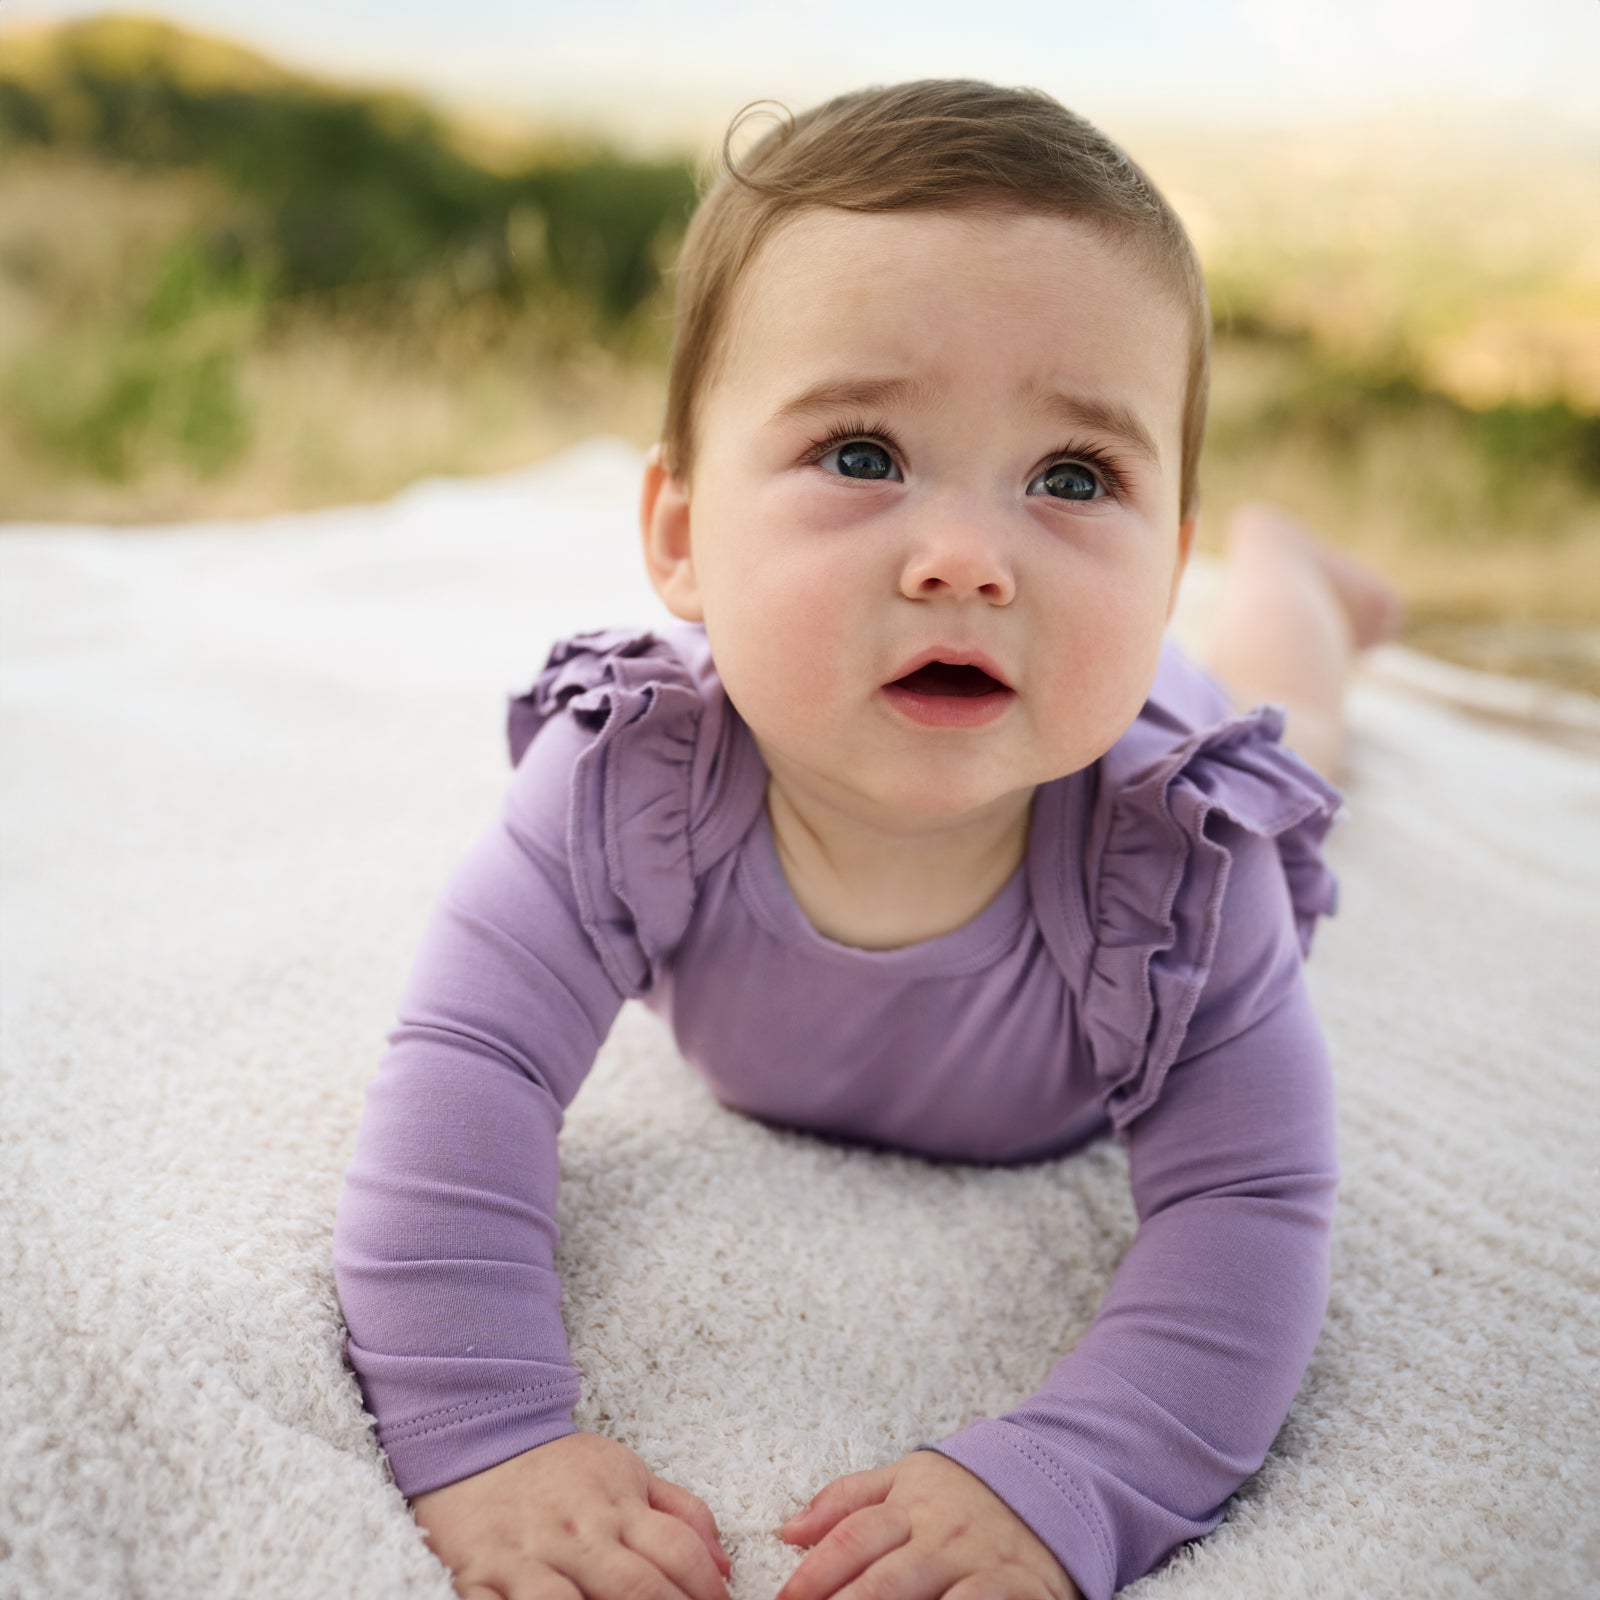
(677, 1552)
(847, 1552)
(677, 1501)
(835, 1501)
(605, 1572)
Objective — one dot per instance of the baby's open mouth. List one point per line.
(942, 678)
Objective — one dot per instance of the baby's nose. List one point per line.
(963, 560)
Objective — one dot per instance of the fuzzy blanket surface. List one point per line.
(240, 762)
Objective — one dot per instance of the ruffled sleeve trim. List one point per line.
(1160, 886)
(628, 834)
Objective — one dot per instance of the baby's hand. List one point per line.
(919, 1529)
(582, 1511)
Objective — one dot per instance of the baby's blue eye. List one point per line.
(1077, 483)
(861, 458)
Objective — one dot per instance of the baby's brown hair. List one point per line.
(932, 144)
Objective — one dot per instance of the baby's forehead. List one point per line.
(925, 310)
(876, 253)
(830, 277)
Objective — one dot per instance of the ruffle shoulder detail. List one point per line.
(1165, 865)
(628, 834)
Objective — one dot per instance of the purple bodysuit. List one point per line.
(1140, 974)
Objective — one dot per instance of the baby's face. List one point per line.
(965, 513)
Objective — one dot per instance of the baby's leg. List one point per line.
(1291, 616)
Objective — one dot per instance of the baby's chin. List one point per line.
(943, 778)
(967, 789)
(910, 804)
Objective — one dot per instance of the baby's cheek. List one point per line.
(768, 676)
(808, 696)
(1088, 705)
(801, 643)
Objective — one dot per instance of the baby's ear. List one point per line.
(664, 528)
(1186, 530)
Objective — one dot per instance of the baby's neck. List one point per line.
(877, 891)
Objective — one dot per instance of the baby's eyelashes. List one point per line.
(863, 460)
(1074, 481)
(868, 455)
(861, 455)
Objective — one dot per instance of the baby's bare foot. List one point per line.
(1373, 605)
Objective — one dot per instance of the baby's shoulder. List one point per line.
(653, 693)
(1185, 702)
(1190, 752)
(630, 767)
(590, 675)
(1203, 858)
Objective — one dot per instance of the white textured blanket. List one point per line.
(239, 763)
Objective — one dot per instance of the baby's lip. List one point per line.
(954, 655)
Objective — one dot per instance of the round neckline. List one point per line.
(974, 944)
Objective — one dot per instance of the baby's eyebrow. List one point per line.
(1104, 416)
(831, 393)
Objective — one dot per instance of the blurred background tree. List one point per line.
(229, 288)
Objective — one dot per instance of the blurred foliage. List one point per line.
(1332, 404)
(357, 207)
(336, 189)
(172, 371)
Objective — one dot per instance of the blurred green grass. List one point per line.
(226, 289)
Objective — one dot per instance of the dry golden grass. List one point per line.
(338, 422)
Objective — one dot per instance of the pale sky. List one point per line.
(661, 70)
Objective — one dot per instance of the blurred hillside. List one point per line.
(224, 286)
(227, 288)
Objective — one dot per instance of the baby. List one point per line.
(920, 793)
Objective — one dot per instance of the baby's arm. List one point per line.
(1174, 1395)
(445, 1238)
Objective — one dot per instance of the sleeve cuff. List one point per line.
(1010, 1462)
(514, 1406)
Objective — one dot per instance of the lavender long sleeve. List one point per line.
(1175, 1393)
(1142, 969)
(445, 1238)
